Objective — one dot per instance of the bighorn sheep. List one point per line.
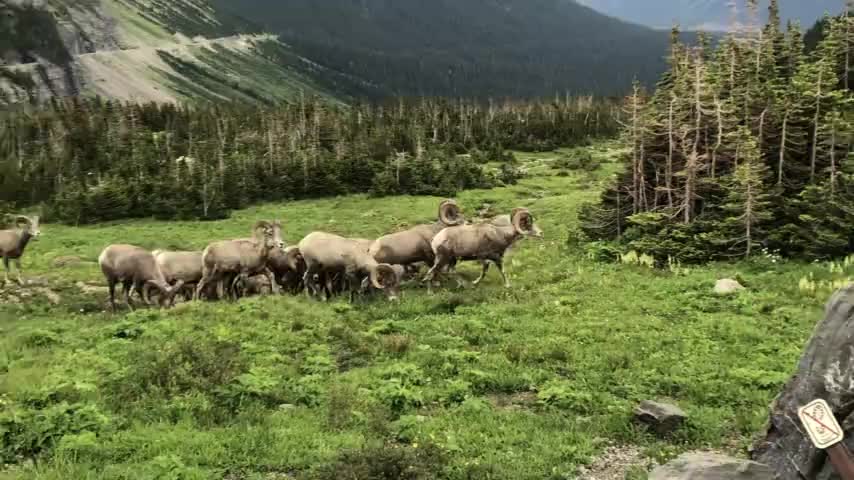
(243, 257)
(487, 242)
(13, 243)
(414, 245)
(185, 267)
(499, 221)
(134, 267)
(326, 254)
(288, 267)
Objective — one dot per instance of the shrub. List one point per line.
(386, 462)
(28, 433)
(189, 365)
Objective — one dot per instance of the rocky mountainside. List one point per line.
(149, 50)
(714, 15)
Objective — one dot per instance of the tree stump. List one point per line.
(825, 371)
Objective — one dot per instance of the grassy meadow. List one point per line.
(482, 383)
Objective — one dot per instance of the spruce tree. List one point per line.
(747, 203)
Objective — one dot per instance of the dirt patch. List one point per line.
(614, 463)
(92, 289)
(68, 261)
(514, 401)
(52, 296)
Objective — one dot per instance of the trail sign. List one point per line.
(820, 424)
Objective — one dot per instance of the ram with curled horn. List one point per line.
(413, 246)
(486, 242)
(14, 242)
(241, 258)
(327, 255)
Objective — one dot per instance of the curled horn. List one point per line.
(22, 218)
(449, 213)
(522, 220)
(383, 276)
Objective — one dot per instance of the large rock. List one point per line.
(662, 418)
(728, 286)
(825, 371)
(711, 466)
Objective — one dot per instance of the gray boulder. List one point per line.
(826, 370)
(662, 418)
(728, 286)
(711, 466)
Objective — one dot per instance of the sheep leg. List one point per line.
(274, 285)
(499, 262)
(126, 288)
(6, 267)
(20, 277)
(308, 281)
(233, 288)
(440, 262)
(353, 284)
(111, 284)
(207, 277)
(145, 292)
(482, 273)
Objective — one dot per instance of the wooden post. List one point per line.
(840, 457)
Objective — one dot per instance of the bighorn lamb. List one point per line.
(135, 267)
(326, 255)
(414, 245)
(243, 258)
(13, 243)
(487, 242)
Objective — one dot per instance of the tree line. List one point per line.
(90, 160)
(741, 146)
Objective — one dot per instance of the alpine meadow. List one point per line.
(373, 240)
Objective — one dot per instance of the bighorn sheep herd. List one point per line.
(321, 265)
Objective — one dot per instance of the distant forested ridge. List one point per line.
(716, 15)
(744, 146)
(95, 160)
(474, 48)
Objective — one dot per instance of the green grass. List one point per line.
(527, 383)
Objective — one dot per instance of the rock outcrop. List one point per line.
(662, 418)
(825, 371)
(711, 466)
(728, 286)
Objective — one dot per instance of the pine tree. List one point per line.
(747, 203)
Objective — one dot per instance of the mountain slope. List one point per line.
(146, 50)
(706, 14)
(468, 48)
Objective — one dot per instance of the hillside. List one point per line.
(147, 50)
(475, 48)
(482, 383)
(714, 15)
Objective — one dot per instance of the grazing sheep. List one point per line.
(288, 267)
(486, 242)
(14, 242)
(136, 268)
(180, 266)
(414, 245)
(402, 274)
(326, 255)
(243, 258)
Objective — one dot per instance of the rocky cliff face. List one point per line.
(142, 50)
